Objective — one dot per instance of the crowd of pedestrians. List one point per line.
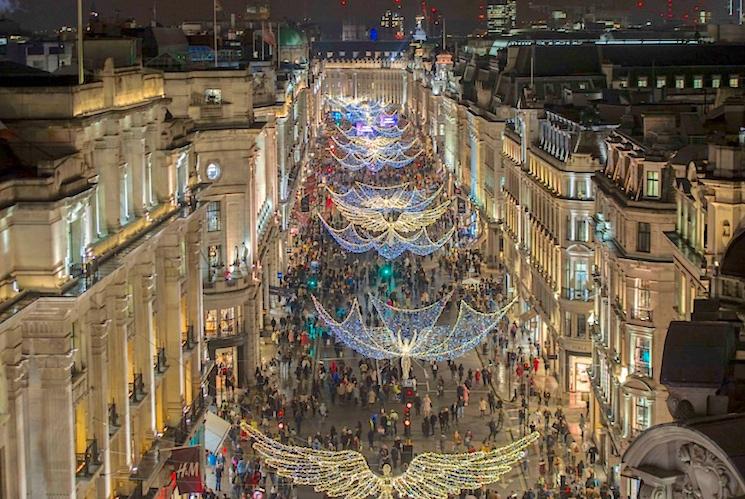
(308, 381)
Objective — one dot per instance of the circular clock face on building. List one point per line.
(213, 171)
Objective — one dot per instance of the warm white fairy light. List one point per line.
(374, 221)
(432, 342)
(430, 475)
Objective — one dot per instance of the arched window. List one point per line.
(726, 229)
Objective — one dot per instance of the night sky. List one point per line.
(461, 15)
(34, 14)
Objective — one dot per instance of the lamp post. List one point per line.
(81, 73)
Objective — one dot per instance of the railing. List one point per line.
(160, 364)
(137, 389)
(575, 294)
(113, 416)
(190, 417)
(189, 341)
(87, 461)
(638, 314)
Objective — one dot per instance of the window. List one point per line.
(78, 346)
(582, 230)
(227, 321)
(213, 216)
(124, 196)
(581, 325)
(643, 237)
(213, 96)
(653, 184)
(567, 324)
(698, 81)
(643, 309)
(680, 82)
(716, 81)
(734, 81)
(642, 361)
(623, 82)
(581, 186)
(661, 81)
(641, 414)
(214, 255)
(210, 324)
(149, 198)
(642, 82)
(726, 229)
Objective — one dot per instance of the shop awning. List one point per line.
(215, 431)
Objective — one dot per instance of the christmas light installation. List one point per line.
(374, 162)
(373, 220)
(380, 146)
(390, 244)
(420, 340)
(386, 199)
(430, 475)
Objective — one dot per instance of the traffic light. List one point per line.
(280, 426)
(386, 271)
(407, 427)
(312, 283)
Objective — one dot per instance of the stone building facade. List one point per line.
(140, 220)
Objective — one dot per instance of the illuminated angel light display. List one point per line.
(430, 475)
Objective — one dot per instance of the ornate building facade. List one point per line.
(634, 277)
(141, 216)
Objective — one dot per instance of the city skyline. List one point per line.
(51, 14)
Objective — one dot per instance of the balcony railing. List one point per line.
(190, 417)
(160, 364)
(643, 315)
(189, 341)
(113, 416)
(137, 389)
(581, 294)
(88, 461)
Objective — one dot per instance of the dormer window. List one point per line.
(653, 184)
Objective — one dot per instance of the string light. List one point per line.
(375, 162)
(390, 244)
(420, 340)
(409, 221)
(386, 199)
(346, 473)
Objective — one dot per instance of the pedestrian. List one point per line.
(482, 406)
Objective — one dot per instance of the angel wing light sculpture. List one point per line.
(429, 475)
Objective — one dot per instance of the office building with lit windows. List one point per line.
(501, 16)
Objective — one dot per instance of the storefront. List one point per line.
(579, 378)
(230, 359)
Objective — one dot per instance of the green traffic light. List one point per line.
(386, 271)
(312, 283)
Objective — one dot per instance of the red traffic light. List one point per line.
(409, 405)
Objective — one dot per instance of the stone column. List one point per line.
(194, 297)
(134, 144)
(99, 401)
(146, 347)
(17, 455)
(120, 367)
(169, 303)
(50, 418)
(106, 155)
